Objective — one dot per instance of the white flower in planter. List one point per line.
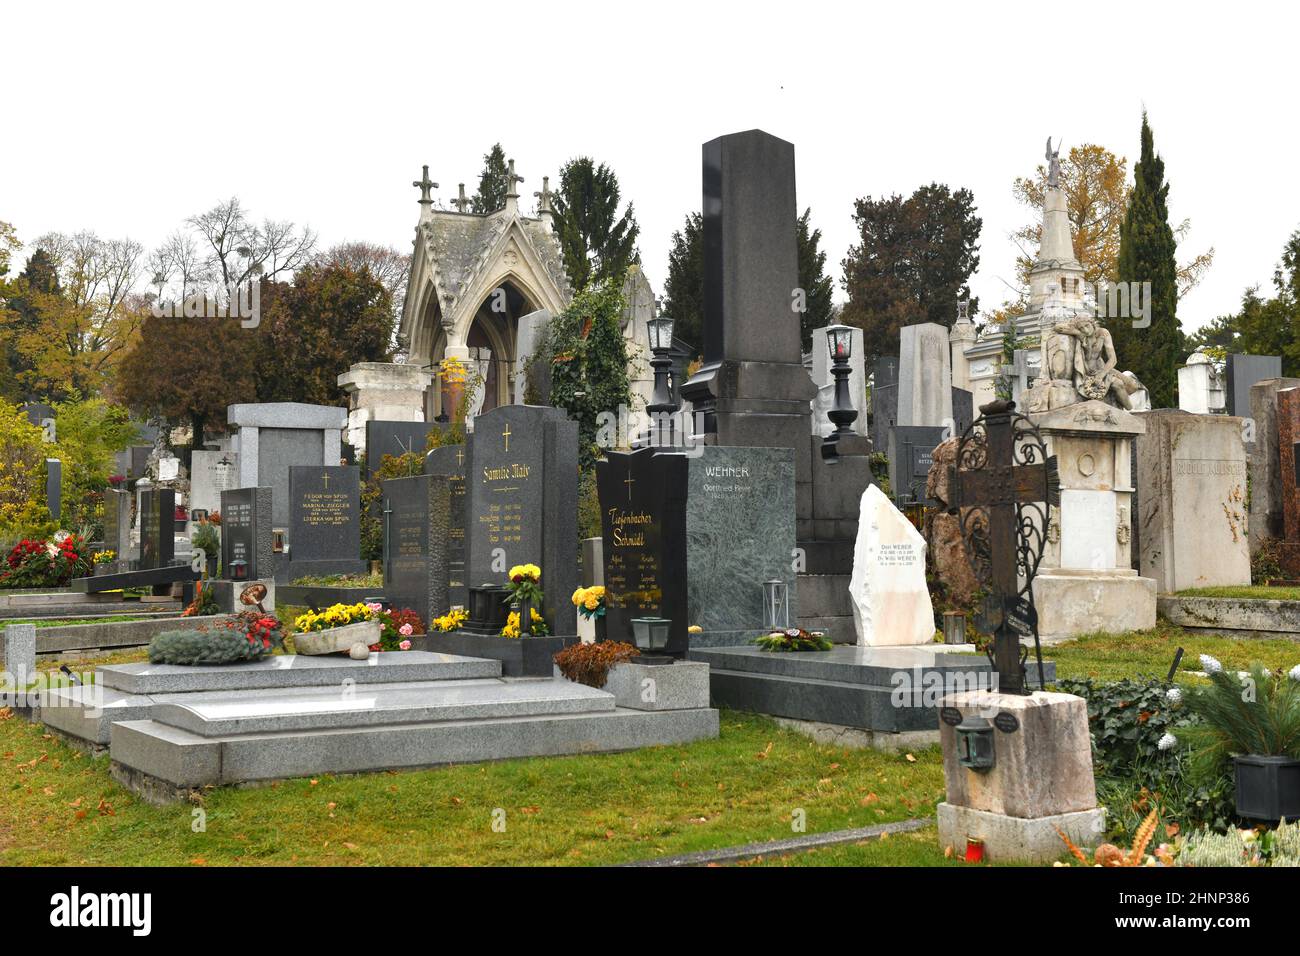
(1210, 665)
(1167, 742)
(1173, 695)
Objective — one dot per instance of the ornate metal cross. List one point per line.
(1003, 487)
(425, 184)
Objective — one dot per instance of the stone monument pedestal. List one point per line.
(1041, 779)
(1086, 582)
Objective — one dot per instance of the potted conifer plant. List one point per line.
(1254, 720)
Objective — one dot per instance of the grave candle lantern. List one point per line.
(839, 339)
(776, 607)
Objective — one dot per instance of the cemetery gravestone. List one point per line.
(643, 505)
(522, 503)
(211, 473)
(963, 411)
(1267, 513)
(272, 437)
(449, 461)
(117, 525)
(246, 549)
(54, 487)
(890, 597)
(396, 439)
(157, 528)
(324, 520)
(884, 401)
(1192, 472)
(1288, 435)
(911, 450)
(416, 518)
(1243, 371)
(924, 375)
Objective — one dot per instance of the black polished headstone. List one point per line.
(117, 525)
(449, 460)
(324, 518)
(522, 503)
(396, 439)
(963, 410)
(643, 531)
(884, 400)
(54, 487)
(911, 453)
(416, 512)
(157, 528)
(246, 533)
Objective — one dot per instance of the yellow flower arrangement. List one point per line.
(452, 620)
(522, 572)
(336, 615)
(590, 602)
(512, 623)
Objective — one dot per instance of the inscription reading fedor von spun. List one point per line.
(1207, 467)
(504, 522)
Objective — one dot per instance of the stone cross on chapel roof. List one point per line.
(425, 184)
(511, 180)
(544, 197)
(462, 202)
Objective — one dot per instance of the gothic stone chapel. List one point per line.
(473, 279)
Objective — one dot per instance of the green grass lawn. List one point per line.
(60, 807)
(95, 619)
(57, 806)
(1250, 592)
(1114, 656)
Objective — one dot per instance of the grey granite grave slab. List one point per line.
(413, 702)
(679, 686)
(164, 762)
(294, 670)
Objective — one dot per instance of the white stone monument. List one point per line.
(1201, 387)
(924, 375)
(1086, 581)
(382, 392)
(530, 329)
(891, 602)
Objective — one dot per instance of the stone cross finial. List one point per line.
(544, 197)
(425, 185)
(462, 202)
(511, 181)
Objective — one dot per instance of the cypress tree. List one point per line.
(491, 194)
(1146, 255)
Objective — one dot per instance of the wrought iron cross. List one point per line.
(1003, 487)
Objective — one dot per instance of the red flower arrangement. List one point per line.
(33, 563)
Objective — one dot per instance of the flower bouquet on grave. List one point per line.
(590, 603)
(248, 636)
(451, 621)
(338, 629)
(525, 597)
(793, 639)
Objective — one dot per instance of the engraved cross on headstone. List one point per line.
(425, 185)
(1001, 487)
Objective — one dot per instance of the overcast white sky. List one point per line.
(126, 117)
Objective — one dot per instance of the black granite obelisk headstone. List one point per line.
(246, 544)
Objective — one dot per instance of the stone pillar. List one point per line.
(960, 338)
(383, 392)
(1288, 435)
(1191, 472)
(19, 655)
(1086, 581)
(1261, 440)
(924, 375)
(1041, 780)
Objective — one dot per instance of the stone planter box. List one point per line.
(337, 640)
(519, 656)
(1268, 788)
(1227, 615)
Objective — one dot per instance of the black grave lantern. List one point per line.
(661, 333)
(975, 743)
(238, 570)
(651, 633)
(839, 338)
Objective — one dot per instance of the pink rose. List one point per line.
(406, 630)
(374, 606)
(405, 645)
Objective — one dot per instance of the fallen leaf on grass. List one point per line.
(910, 758)
(529, 810)
(869, 799)
(350, 846)
(766, 750)
(6, 713)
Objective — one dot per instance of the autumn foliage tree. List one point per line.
(912, 262)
